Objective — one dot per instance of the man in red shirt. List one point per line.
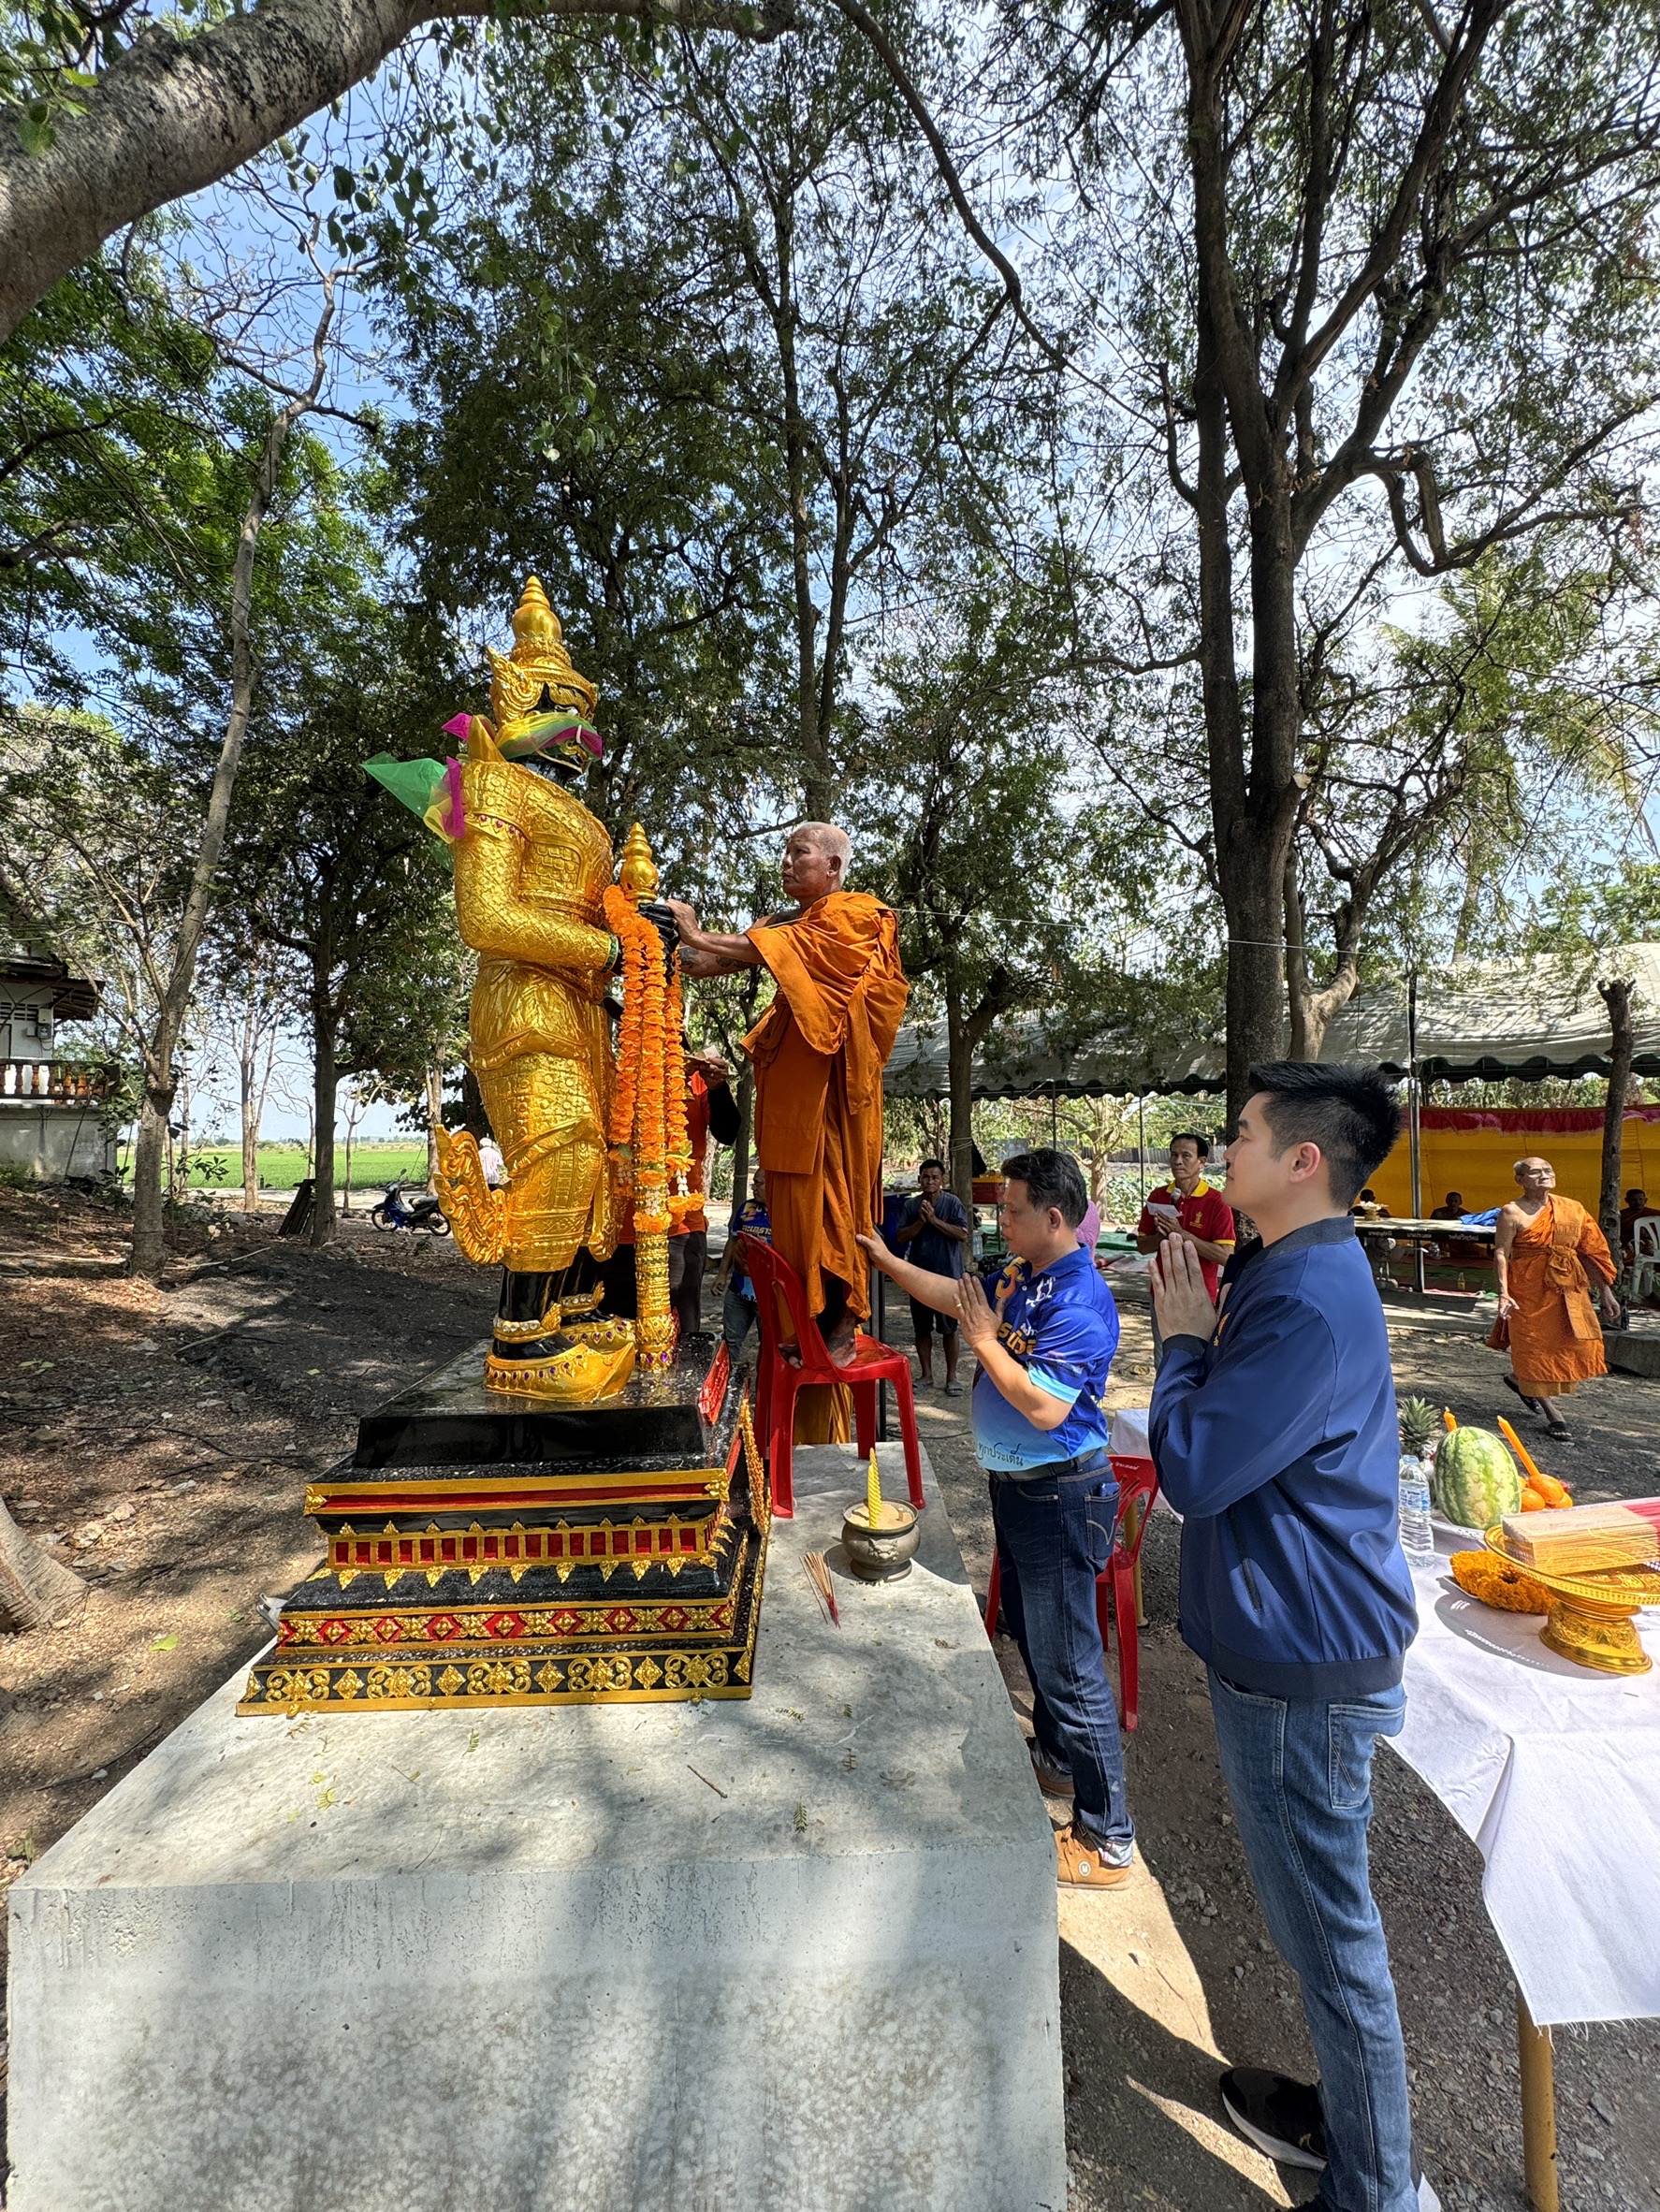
(1189, 1204)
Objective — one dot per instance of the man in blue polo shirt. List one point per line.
(1273, 1429)
(1043, 1331)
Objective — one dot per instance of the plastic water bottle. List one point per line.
(1417, 1538)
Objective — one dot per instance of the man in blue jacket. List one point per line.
(1274, 1431)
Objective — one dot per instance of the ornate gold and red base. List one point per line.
(467, 1566)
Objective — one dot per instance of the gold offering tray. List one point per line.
(1592, 1618)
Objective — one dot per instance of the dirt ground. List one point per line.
(1157, 1978)
(164, 1438)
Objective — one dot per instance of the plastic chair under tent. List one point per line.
(1644, 1271)
(1116, 1587)
(778, 1379)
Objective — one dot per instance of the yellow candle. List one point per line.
(873, 1493)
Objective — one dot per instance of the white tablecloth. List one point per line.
(1127, 1434)
(1554, 1773)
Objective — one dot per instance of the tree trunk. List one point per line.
(740, 1143)
(35, 1588)
(173, 114)
(148, 1251)
(960, 1043)
(324, 1090)
(151, 1149)
(249, 1072)
(434, 1118)
(1616, 996)
(1297, 992)
(750, 991)
(1253, 795)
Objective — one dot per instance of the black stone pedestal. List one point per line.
(484, 1548)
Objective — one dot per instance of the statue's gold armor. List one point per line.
(531, 873)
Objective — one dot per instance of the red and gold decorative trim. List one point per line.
(505, 1624)
(483, 1495)
(476, 1550)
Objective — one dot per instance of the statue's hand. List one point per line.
(656, 912)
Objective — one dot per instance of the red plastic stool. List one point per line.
(1115, 1586)
(778, 1379)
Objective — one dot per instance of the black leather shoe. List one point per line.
(1281, 2116)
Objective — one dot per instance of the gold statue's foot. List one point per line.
(580, 1371)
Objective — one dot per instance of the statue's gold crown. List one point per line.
(538, 663)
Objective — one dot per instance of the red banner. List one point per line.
(1553, 1121)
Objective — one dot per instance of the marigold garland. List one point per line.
(1495, 1583)
(683, 1199)
(648, 1130)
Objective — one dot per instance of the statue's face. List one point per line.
(809, 871)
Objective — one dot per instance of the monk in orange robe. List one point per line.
(817, 1053)
(1548, 1253)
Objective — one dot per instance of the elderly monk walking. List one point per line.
(817, 1053)
(1547, 1254)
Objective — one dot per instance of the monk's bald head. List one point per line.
(816, 861)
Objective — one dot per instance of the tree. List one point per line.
(566, 421)
(999, 885)
(1376, 311)
(267, 447)
(108, 114)
(1468, 740)
(855, 337)
(710, 359)
(323, 865)
(246, 990)
(1587, 923)
(108, 401)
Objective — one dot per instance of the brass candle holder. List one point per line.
(1593, 1616)
(879, 1536)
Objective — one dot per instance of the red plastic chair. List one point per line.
(1116, 1586)
(778, 1379)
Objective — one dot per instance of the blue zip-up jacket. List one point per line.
(1276, 1440)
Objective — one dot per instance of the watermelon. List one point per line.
(1475, 1481)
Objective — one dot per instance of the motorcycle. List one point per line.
(396, 1211)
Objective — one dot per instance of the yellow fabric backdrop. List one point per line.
(1477, 1163)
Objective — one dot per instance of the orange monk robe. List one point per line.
(817, 1053)
(1555, 1341)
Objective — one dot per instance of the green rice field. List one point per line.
(280, 1166)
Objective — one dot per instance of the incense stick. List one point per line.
(819, 1576)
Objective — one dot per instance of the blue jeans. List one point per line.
(738, 1318)
(1300, 1775)
(1055, 1535)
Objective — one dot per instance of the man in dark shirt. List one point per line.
(1274, 1433)
(933, 1233)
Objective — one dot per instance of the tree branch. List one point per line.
(172, 115)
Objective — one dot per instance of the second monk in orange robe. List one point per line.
(818, 1052)
(1548, 1254)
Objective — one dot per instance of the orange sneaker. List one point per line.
(1092, 1866)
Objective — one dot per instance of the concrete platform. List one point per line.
(1632, 1351)
(798, 1954)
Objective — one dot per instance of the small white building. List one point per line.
(50, 1109)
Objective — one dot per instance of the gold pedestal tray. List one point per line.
(1593, 1616)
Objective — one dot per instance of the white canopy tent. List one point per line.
(1524, 1018)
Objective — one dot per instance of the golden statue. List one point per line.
(531, 868)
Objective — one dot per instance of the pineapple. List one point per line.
(1418, 1424)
